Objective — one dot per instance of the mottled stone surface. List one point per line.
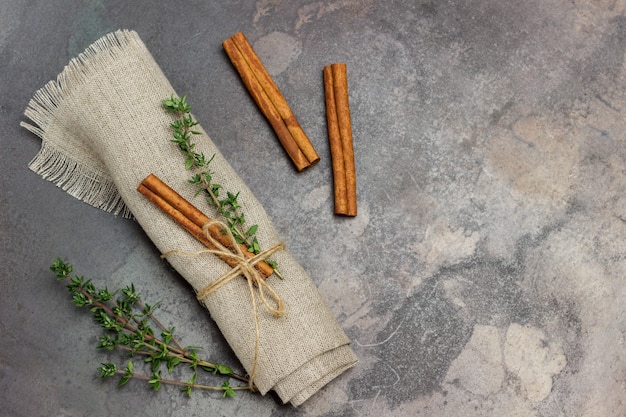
(484, 273)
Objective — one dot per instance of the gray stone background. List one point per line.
(484, 273)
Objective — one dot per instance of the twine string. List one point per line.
(244, 266)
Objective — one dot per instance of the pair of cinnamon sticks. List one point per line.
(193, 220)
(274, 107)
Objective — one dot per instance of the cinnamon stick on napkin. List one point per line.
(103, 131)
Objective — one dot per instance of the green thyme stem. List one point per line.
(161, 326)
(237, 232)
(184, 384)
(179, 352)
(134, 336)
(183, 359)
(131, 329)
(128, 327)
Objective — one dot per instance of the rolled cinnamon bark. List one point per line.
(265, 105)
(270, 101)
(192, 219)
(340, 138)
(334, 140)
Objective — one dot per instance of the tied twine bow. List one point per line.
(245, 267)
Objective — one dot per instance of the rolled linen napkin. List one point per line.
(103, 130)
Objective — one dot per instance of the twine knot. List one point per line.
(243, 266)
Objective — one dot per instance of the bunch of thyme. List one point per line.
(228, 207)
(127, 323)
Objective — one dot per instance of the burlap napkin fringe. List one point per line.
(78, 180)
(86, 183)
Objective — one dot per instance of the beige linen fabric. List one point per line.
(103, 131)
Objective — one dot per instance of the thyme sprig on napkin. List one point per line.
(128, 322)
(228, 206)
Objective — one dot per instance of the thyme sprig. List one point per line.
(228, 206)
(127, 322)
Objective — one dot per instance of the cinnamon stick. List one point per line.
(340, 138)
(192, 219)
(270, 101)
(265, 105)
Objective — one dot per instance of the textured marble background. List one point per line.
(485, 272)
